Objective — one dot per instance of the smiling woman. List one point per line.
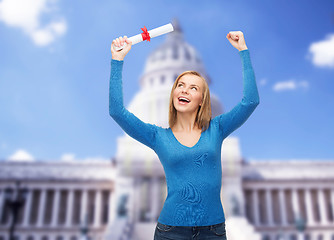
(190, 149)
(192, 87)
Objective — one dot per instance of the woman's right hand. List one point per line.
(119, 55)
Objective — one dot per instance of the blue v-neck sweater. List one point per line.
(193, 174)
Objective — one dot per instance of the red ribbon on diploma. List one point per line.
(145, 35)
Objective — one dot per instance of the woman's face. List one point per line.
(187, 95)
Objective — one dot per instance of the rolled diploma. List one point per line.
(153, 33)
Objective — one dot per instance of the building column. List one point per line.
(69, 213)
(98, 210)
(55, 208)
(309, 207)
(322, 207)
(83, 210)
(256, 209)
(282, 203)
(269, 205)
(27, 208)
(155, 198)
(295, 205)
(41, 209)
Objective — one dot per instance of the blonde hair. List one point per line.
(204, 113)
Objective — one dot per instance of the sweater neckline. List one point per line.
(175, 139)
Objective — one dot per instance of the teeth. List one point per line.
(184, 99)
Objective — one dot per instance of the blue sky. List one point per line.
(55, 64)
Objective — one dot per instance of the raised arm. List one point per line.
(133, 126)
(233, 119)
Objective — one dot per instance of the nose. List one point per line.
(184, 90)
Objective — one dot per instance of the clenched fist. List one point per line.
(237, 40)
(119, 55)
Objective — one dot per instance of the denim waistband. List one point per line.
(196, 227)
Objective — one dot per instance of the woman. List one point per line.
(190, 149)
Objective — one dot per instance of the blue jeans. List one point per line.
(167, 232)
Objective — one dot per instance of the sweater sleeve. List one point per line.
(133, 126)
(230, 121)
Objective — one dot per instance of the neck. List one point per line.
(185, 122)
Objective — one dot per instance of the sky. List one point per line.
(55, 66)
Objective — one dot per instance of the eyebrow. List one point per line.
(190, 84)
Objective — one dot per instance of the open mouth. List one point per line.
(183, 100)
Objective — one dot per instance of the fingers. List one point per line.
(127, 40)
(234, 35)
(118, 42)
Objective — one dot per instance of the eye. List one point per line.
(194, 88)
(179, 85)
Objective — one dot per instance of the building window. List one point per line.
(320, 237)
(30, 238)
(45, 237)
(73, 238)
(175, 52)
(59, 238)
(162, 79)
(187, 54)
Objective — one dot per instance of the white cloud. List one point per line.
(290, 85)
(322, 52)
(21, 155)
(26, 15)
(70, 157)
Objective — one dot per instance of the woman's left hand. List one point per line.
(237, 40)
